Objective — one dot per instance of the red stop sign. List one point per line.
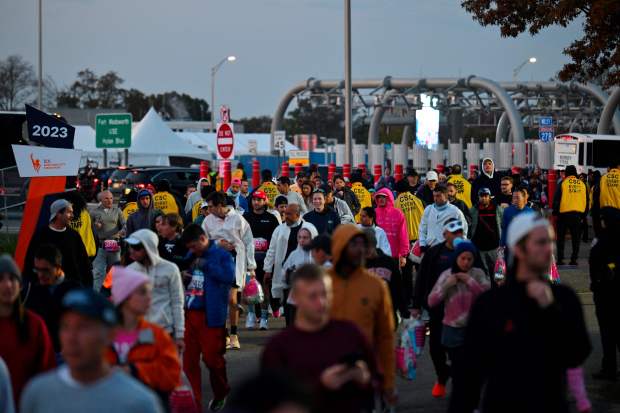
(225, 140)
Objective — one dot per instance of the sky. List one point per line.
(159, 46)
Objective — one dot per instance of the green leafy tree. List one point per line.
(596, 55)
(257, 124)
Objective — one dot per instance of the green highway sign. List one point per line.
(113, 130)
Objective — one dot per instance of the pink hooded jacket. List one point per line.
(392, 220)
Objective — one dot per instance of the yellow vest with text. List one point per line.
(610, 189)
(129, 209)
(463, 188)
(165, 202)
(413, 208)
(574, 195)
(83, 226)
(363, 196)
(271, 190)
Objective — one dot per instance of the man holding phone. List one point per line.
(332, 357)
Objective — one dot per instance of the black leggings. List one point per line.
(569, 221)
(289, 310)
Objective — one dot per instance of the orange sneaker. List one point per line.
(439, 390)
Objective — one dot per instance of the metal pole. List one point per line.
(348, 124)
(40, 98)
(213, 98)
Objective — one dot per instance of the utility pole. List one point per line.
(348, 122)
(40, 97)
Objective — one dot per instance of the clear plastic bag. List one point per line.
(406, 360)
(499, 273)
(253, 292)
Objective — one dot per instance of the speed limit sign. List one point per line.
(279, 137)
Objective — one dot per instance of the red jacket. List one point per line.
(393, 222)
(153, 359)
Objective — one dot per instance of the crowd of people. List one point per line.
(120, 324)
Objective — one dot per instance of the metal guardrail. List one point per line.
(13, 191)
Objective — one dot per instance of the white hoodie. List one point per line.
(297, 258)
(433, 221)
(234, 229)
(167, 302)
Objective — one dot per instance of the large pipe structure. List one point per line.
(609, 113)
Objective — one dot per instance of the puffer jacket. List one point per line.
(344, 212)
(143, 218)
(364, 299)
(393, 222)
(153, 359)
(167, 302)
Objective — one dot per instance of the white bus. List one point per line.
(585, 151)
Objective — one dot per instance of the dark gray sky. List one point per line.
(158, 45)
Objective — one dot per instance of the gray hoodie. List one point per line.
(168, 295)
(143, 217)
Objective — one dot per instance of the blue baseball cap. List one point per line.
(484, 191)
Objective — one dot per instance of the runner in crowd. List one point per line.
(504, 198)
(363, 299)
(108, 225)
(435, 261)
(519, 206)
(280, 204)
(425, 191)
(163, 198)
(432, 225)
(25, 346)
(486, 229)
(299, 257)
(209, 280)
(263, 225)
(412, 180)
(234, 191)
(489, 178)
(461, 185)
(284, 187)
(75, 262)
(392, 221)
(166, 309)
(456, 289)
(87, 383)
(606, 197)
(170, 246)
(226, 227)
(338, 205)
(307, 188)
(459, 203)
(368, 220)
(144, 217)
(299, 180)
(44, 295)
(324, 218)
(331, 357)
(508, 370)
(244, 190)
(343, 192)
(570, 205)
(321, 251)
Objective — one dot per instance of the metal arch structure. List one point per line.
(609, 113)
(470, 83)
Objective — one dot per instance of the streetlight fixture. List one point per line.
(517, 69)
(214, 70)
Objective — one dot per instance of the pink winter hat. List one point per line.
(124, 282)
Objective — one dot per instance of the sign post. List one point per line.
(225, 141)
(279, 140)
(546, 129)
(113, 130)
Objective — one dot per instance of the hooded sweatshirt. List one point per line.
(194, 196)
(143, 218)
(276, 254)
(298, 257)
(484, 180)
(167, 302)
(364, 299)
(433, 221)
(393, 222)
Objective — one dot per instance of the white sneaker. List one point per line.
(263, 324)
(250, 321)
(234, 342)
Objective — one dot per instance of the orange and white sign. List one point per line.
(299, 157)
(34, 161)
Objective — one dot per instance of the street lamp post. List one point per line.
(517, 69)
(214, 70)
(348, 121)
(40, 86)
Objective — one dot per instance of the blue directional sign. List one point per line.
(546, 129)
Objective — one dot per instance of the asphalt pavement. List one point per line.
(415, 395)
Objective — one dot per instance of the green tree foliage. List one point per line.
(596, 55)
(257, 124)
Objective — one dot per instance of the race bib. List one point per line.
(261, 244)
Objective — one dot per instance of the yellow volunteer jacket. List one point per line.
(165, 202)
(271, 190)
(129, 209)
(610, 189)
(196, 210)
(363, 196)
(413, 208)
(83, 226)
(463, 188)
(574, 195)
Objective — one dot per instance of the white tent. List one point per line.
(84, 141)
(208, 142)
(153, 142)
